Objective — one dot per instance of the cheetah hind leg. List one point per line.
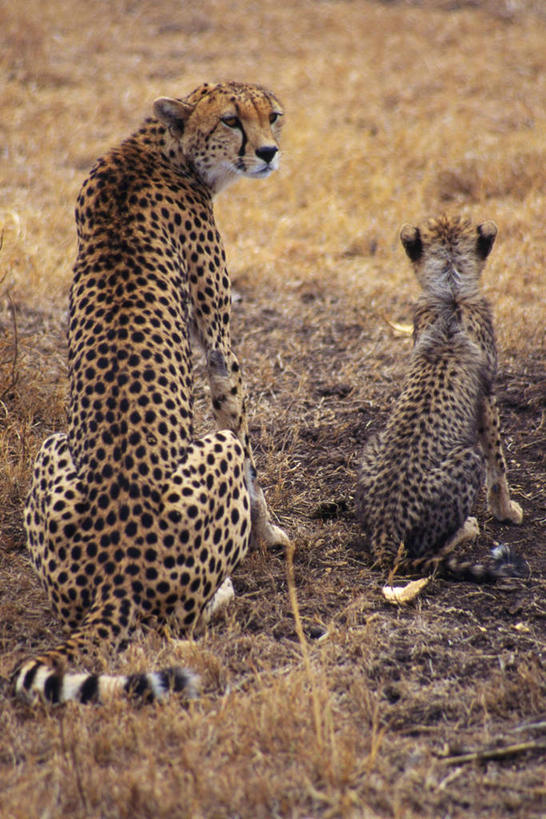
(469, 531)
(452, 489)
(56, 522)
(206, 528)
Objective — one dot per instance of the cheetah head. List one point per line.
(225, 130)
(448, 254)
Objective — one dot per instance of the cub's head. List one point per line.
(448, 254)
(226, 130)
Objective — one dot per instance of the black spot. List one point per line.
(29, 676)
(137, 685)
(52, 688)
(90, 689)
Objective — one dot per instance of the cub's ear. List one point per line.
(411, 239)
(172, 113)
(487, 232)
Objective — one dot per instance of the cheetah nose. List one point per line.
(267, 152)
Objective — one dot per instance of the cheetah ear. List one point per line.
(487, 232)
(172, 113)
(411, 239)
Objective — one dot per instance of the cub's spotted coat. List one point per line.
(420, 476)
(129, 518)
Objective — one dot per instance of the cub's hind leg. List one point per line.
(498, 494)
(439, 517)
(411, 520)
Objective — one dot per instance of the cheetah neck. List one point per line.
(153, 136)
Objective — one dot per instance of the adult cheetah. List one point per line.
(420, 476)
(130, 519)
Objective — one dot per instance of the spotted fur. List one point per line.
(420, 476)
(130, 519)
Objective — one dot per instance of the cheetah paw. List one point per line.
(274, 536)
(223, 595)
(266, 533)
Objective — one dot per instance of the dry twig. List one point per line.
(303, 642)
(14, 374)
(494, 753)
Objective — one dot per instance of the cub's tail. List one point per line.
(504, 563)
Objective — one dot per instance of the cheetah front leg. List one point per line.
(498, 494)
(229, 405)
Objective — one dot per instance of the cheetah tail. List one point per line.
(36, 681)
(505, 563)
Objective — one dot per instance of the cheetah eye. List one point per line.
(274, 116)
(232, 122)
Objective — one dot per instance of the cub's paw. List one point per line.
(507, 510)
(470, 529)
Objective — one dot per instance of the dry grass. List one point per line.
(395, 111)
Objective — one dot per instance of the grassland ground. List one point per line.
(395, 111)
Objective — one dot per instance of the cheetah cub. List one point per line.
(420, 476)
